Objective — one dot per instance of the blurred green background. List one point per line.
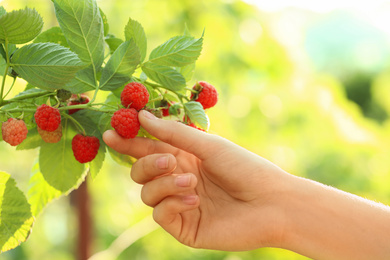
(306, 86)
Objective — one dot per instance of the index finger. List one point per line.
(136, 147)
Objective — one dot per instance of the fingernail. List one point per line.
(162, 162)
(148, 115)
(183, 180)
(190, 199)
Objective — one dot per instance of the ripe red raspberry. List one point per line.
(134, 95)
(207, 96)
(83, 99)
(14, 131)
(47, 118)
(125, 122)
(85, 148)
(51, 137)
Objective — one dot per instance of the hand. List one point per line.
(206, 191)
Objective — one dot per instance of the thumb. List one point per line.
(177, 134)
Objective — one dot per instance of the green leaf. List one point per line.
(32, 141)
(83, 82)
(106, 26)
(187, 71)
(20, 26)
(15, 214)
(54, 35)
(196, 113)
(82, 25)
(120, 158)
(40, 193)
(97, 163)
(46, 65)
(135, 31)
(3, 66)
(113, 43)
(120, 66)
(58, 165)
(177, 51)
(166, 76)
(2, 10)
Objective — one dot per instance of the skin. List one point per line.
(208, 192)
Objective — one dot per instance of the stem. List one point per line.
(5, 71)
(10, 88)
(75, 122)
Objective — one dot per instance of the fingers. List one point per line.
(157, 190)
(151, 166)
(178, 135)
(169, 213)
(136, 147)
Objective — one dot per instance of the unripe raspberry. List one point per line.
(83, 99)
(63, 95)
(85, 148)
(134, 95)
(125, 122)
(51, 137)
(47, 118)
(207, 96)
(14, 131)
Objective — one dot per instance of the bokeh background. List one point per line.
(305, 84)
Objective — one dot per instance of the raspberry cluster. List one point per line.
(125, 121)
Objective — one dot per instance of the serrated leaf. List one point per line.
(20, 26)
(187, 71)
(2, 10)
(58, 165)
(113, 43)
(134, 31)
(11, 49)
(15, 214)
(82, 25)
(166, 76)
(89, 119)
(120, 66)
(46, 65)
(32, 141)
(40, 193)
(83, 81)
(54, 35)
(106, 26)
(196, 113)
(96, 164)
(177, 51)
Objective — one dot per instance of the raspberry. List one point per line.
(207, 96)
(47, 118)
(63, 95)
(85, 148)
(134, 95)
(83, 99)
(14, 131)
(194, 126)
(51, 137)
(125, 122)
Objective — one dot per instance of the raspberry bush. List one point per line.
(68, 69)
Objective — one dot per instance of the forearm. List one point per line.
(326, 223)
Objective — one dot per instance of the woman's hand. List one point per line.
(206, 191)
